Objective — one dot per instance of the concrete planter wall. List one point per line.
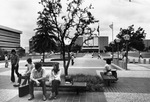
(122, 63)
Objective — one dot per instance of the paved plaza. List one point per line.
(132, 86)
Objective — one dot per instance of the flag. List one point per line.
(111, 26)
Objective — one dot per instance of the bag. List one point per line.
(23, 90)
(68, 79)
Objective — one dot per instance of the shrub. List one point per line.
(94, 82)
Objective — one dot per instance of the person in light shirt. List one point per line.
(27, 73)
(55, 80)
(107, 67)
(38, 76)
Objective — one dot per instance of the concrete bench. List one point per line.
(108, 78)
(76, 86)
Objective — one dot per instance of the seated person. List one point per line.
(37, 77)
(27, 73)
(107, 70)
(55, 80)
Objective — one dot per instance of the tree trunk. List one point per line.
(64, 62)
(66, 71)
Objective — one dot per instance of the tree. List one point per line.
(42, 43)
(76, 48)
(75, 22)
(136, 38)
(44, 40)
(21, 51)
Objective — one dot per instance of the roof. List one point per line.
(10, 29)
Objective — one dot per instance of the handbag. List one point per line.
(23, 90)
(68, 79)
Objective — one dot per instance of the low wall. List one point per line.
(122, 64)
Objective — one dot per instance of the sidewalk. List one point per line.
(132, 86)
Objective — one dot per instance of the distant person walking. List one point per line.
(99, 56)
(124, 55)
(72, 59)
(92, 54)
(14, 58)
(41, 58)
(140, 56)
(6, 61)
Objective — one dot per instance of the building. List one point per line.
(147, 42)
(96, 44)
(9, 38)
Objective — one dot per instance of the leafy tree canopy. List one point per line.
(66, 23)
(135, 38)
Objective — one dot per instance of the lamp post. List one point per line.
(112, 49)
(126, 38)
(117, 41)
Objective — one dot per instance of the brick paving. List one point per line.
(132, 86)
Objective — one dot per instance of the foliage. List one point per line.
(21, 51)
(76, 48)
(2, 52)
(108, 48)
(42, 43)
(94, 83)
(136, 38)
(75, 22)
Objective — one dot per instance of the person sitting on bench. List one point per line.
(37, 77)
(27, 73)
(55, 80)
(107, 70)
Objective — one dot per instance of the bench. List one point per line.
(47, 63)
(108, 78)
(76, 86)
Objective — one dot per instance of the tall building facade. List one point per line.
(96, 44)
(9, 38)
(147, 42)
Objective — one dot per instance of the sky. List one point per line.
(22, 15)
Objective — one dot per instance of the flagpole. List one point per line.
(112, 31)
(98, 38)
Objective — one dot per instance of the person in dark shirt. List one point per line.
(14, 58)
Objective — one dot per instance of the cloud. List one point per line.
(122, 13)
(22, 15)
